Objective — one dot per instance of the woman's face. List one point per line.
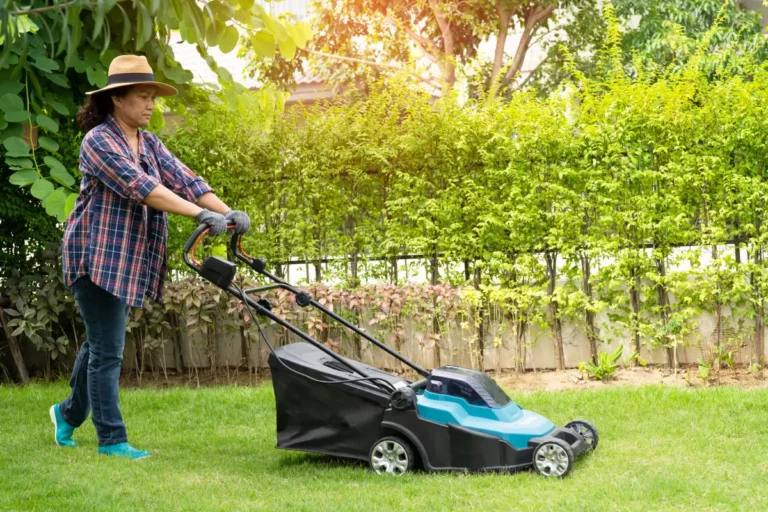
(135, 108)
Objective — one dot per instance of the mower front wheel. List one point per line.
(586, 430)
(391, 455)
(553, 458)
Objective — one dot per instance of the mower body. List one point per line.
(461, 419)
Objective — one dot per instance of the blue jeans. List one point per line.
(95, 376)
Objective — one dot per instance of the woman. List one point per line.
(115, 239)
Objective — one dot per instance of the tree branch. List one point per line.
(532, 20)
(501, 40)
(425, 45)
(533, 72)
(448, 66)
(542, 15)
(352, 59)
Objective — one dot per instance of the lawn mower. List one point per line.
(451, 418)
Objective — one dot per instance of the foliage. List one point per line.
(606, 366)
(43, 311)
(53, 52)
(580, 205)
(431, 40)
(660, 34)
(629, 205)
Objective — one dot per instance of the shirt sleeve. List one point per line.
(177, 176)
(115, 170)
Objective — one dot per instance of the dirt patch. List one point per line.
(573, 379)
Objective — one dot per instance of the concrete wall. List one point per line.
(455, 349)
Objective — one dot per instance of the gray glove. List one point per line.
(241, 220)
(213, 220)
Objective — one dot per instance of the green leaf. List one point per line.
(24, 178)
(11, 103)
(59, 80)
(263, 44)
(70, 204)
(41, 188)
(45, 64)
(97, 76)
(73, 41)
(98, 19)
(55, 202)
(79, 64)
(54, 163)
(20, 163)
(224, 74)
(61, 176)
(229, 39)
(48, 144)
(10, 87)
(145, 28)
(303, 31)
(276, 27)
(126, 28)
(47, 123)
(58, 107)
(188, 31)
(108, 56)
(214, 32)
(17, 117)
(13, 130)
(25, 24)
(17, 146)
(287, 49)
(3, 124)
(221, 10)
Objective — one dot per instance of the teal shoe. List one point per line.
(62, 432)
(123, 450)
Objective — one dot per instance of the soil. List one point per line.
(547, 380)
(640, 376)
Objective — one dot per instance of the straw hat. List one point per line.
(130, 70)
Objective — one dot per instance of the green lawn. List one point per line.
(213, 449)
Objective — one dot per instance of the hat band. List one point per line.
(126, 78)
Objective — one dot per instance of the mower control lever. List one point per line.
(303, 299)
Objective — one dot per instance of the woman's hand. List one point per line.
(213, 220)
(241, 220)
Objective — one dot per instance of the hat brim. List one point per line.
(162, 89)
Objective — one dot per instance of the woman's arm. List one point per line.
(210, 201)
(163, 199)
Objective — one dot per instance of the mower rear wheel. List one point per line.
(586, 430)
(391, 455)
(553, 458)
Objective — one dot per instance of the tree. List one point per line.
(379, 36)
(656, 33)
(52, 52)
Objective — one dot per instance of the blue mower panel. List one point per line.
(510, 423)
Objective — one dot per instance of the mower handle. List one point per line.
(303, 299)
(194, 240)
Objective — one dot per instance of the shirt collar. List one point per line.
(115, 127)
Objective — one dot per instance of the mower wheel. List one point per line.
(391, 455)
(586, 430)
(553, 458)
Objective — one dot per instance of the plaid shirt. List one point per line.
(110, 235)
